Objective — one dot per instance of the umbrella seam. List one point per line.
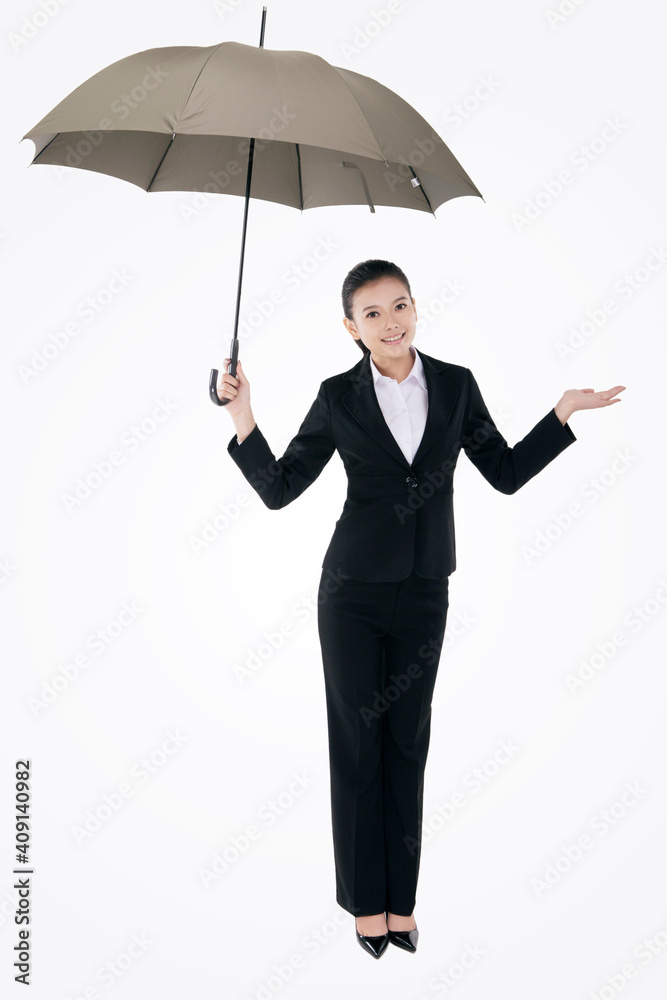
(194, 83)
(363, 113)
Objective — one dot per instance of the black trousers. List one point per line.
(381, 645)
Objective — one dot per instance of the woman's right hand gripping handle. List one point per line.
(237, 390)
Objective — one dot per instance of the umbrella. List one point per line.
(223, 118)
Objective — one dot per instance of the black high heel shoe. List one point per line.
(374, 944)
(405, 939)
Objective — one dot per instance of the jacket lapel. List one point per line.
(361, 403)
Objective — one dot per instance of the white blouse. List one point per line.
(404, 404)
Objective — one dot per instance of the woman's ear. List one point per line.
(414, 306)
(351, 328)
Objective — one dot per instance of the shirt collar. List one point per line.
(417, 371)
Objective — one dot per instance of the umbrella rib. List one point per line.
(161, 162)
(298, 160)
(355, 166)
(421, 188)
(46, 147)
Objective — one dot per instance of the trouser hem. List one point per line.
(360, 911)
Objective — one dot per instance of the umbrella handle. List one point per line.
(213, 379)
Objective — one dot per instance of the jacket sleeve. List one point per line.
(279, 481)
(508, 469)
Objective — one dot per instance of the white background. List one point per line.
(520, 620)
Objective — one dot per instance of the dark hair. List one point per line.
(364, 274)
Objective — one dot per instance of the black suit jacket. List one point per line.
(397, 516)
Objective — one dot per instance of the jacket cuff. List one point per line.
(234, 442)
(252, 454)
(563, 428)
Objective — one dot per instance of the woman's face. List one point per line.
(384, 318)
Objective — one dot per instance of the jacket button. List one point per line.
(411, 482)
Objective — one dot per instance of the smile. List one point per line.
(394, 340)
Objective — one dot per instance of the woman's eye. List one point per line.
(374, 312)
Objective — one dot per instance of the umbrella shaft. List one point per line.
(251, 153)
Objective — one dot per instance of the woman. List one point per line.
(398, 419)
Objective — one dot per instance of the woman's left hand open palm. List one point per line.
(588, 399)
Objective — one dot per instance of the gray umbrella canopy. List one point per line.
(179, 119)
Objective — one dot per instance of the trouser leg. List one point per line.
(352, 623)
(412, 654)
